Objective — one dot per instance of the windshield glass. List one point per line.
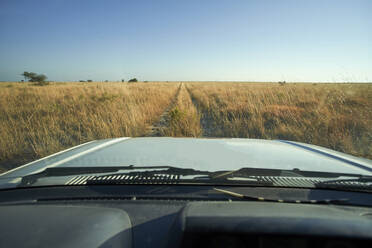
(290, 80)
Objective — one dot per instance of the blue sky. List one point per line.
(267, 40)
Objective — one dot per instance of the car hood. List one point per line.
(199, 153)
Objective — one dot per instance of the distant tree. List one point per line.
(106, 81)
(28, 75)
(282, 83)
(122, 80)
(89, 80)
(81, 80)
(133, 80)
(40, 79)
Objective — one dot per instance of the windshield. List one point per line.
(289, 80)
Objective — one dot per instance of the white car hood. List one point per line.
(201, 154)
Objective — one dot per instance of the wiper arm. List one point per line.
(243, 172)
(254, 198)
(354, 182)
(358, 179)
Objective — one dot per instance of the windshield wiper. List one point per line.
(140, 174)
(154, 174)
(171, 176)
(243, 176)
(71, 171)
(247, 171)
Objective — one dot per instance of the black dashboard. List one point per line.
(89, 217)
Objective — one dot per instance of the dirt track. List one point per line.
(156, 130)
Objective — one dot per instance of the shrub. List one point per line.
(41, 83)
(44, 83)
(104, 97)
(133, 80)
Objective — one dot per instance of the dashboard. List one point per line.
(129, 221)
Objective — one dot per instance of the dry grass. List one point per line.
(37, 121)
(337, 116)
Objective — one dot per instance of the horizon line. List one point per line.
(191, 81)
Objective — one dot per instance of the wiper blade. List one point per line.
(171, 176)
(254, 198)
(70, 171)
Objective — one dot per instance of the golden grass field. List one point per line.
(36, 121)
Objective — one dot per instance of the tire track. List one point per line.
(207, 122)
(184, 117)
(157, 129)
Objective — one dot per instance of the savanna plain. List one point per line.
(36, 121)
